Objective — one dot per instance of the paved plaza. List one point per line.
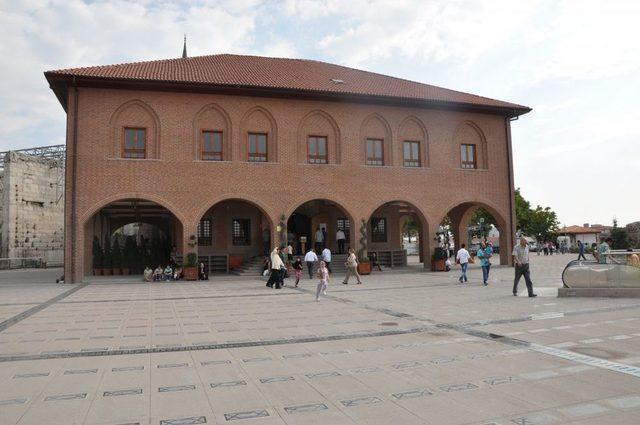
(406, 347)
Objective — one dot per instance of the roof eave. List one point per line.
(59, 83)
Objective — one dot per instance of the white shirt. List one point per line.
(311, 256)
(326, 255)
(340, 235)
(319, 236)
(276, 261)
(463, 256)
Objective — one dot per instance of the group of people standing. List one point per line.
(281, 262)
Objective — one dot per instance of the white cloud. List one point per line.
(575, 62)
(424, 31)
(44, 35)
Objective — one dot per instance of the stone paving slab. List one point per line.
(402, 348)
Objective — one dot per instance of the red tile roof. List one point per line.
(298, 75)
(579, 230)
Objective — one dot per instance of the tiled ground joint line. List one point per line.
(36, 309)
(549, 315)
(177, 298)
(222, 346)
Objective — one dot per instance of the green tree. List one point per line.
(538, 222)
(410, 228)
(482, 221)
(620, 237)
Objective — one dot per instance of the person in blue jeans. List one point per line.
(462, 258)
(484, 254)
(581, 249)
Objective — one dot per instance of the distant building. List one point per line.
(587, 235)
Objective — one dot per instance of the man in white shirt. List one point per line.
(462, 257)
(310, 258)
(340, 238)
(326, 257)
(319, 239)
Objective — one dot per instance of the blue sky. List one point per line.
(576, 63)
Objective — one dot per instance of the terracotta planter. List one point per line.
(125, 271)
(106, 272)
(190, 273)
(364, 268)
(235, 261)
(438, 266)
(116, 271)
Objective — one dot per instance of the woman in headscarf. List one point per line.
(276, 265)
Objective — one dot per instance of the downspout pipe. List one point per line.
(74, 168)
(512, 229)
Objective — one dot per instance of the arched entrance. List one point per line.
(324, 215)
(473, 222)
(127, 235)
(398, 234)
(233, 233)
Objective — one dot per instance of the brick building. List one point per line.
(230, 153)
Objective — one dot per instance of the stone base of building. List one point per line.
(600, 292)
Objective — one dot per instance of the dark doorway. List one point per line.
(299, 225)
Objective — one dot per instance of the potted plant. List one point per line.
(190, 266)
(97, 257)
(116, 257)
(106, 257)
(438, 260)
(364, 266)
(128, 255)
(235, 261)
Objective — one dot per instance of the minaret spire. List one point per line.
(184, 47)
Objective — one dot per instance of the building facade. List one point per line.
(230, 155)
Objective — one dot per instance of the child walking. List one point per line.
(297, 267)
(323, 274)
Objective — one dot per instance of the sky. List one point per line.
(575, 62)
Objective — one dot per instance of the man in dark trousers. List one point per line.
(581, 251)
(521, 261)
(311, 259)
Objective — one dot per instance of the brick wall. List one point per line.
(174, 176)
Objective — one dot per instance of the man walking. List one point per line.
(310, 258)
(326, 257)
(581, 251)
(484, 254)
(462, 258)
(521, 261)
(340, 238)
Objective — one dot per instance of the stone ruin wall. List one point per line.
(32, 208)
(2, 240)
